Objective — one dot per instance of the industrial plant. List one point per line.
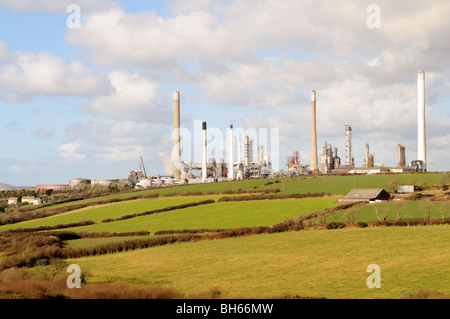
(238, 167)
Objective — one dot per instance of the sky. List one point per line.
(89, 99)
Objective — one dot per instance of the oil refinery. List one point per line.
(216, 169)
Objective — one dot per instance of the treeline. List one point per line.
(43, 228)
(269, 197)
(170, 239)
(20, 216)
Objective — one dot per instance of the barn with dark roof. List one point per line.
(366, 195)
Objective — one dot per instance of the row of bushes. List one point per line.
(69, 235)
(17, 217)
(269, 197)
(166, 209)
(414, 222)
(39, 249)
(164, 240)
(187, 231)
(42, 228)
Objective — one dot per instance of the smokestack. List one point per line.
(401, 159)
(366, 160)
(231, 158)
(176, 133)
(239, 149)
(176, 127)
(247, 151)
(204, 171)
(314, 167)
(348, 145)
(421, 138)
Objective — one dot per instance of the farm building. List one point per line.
(366, 195)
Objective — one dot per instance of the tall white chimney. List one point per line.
(231, 155)
(176, 127)
(314, 167)
(421, 133)
(239, 154)
(348, 145)
(204, 170)
(176, 135)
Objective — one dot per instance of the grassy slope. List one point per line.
(114, 210)
(323, 263)
(408, 210)
(219, 215)
(341, 185)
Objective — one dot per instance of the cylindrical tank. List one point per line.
(103, 182)
(79, 183)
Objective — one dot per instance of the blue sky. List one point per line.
(89, 102)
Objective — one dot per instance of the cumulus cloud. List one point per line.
(29, 74)
(71, 152)
(146, 39)
(133, 96)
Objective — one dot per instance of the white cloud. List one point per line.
(71, 152)
(133, 96)
(146, 39)
(29, 74)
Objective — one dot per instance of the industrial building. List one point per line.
(216, 169)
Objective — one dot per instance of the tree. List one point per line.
(382, 212)
(352, 214)
(49, 192)
(426, 208)
(399, 208)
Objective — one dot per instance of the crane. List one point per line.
(145, 173)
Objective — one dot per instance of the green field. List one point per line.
(322, 263)
(310, 263)
(404, 210)
(219, 215)
(113, 210)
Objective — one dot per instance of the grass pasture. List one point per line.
(112, 210)
(313, 262)
(321, 263)
(405, 210)
(218, 215)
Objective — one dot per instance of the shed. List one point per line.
(402, 189)
(366, 195)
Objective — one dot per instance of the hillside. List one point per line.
(256, 239)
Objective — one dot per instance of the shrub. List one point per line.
(362, 224)
(335, 225)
